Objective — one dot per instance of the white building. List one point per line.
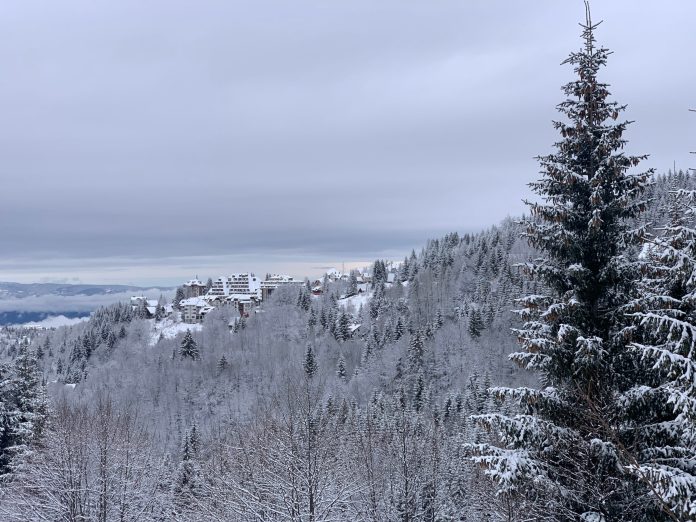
(247, 284)
(150, 305)
(194, 309)
(275, 281)
(242, 302)
(333, 274)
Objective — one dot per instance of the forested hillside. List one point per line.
(286, 411)
(427, 348)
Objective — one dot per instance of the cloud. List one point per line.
(305, 131)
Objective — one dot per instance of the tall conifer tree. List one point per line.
(189, 347)
(662, 402)
(310, 364)
(566, 449)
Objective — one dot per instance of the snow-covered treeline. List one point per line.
(378, 429)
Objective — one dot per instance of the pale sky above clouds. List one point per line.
(144, 142)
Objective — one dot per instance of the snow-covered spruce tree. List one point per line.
(222, 364)
(475, 324)
(662, 403)
(341, 372)
(398, 329)
(310, 364)
(189, 348)
(343, 327)
(416, 351)
(178, 297)
(23, 409)
(352, 284)
(186, 486)
(567, 449)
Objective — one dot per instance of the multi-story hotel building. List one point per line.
(274, 281)
(247, 284)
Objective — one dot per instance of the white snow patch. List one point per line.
(170, 329)
(356, 301)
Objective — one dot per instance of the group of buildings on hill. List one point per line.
(362, 280)
(243, 291)
(195, 299)
(150, 308)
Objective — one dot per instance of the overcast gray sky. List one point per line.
(145, 141)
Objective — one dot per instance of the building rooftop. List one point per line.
(193, 301)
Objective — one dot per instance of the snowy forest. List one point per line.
(541, 370)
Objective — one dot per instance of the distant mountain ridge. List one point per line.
(22, 290)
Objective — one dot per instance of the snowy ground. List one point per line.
(355, 301)
(170, 329)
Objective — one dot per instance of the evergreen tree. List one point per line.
(398, 329)
(332, 320)
(439, 319)
(490, 315)
(304, 300)
(9, 419)
(399, 369)
(368, 350)
(189, 348)
(178, 297)
(375, 304)
(341, 368)
(222, 364)
(388, 333)
(568, 445)
(665, 338)
(140, 313)
(194, 440)
(475, 323)
(416, 350)
(42, 349)
(312, 319)
(352, 284)
(23, 408)
(310, 365)
(419, 392)
(413, 266)
(343, 328)
(187, 485)
(379, 273)
(88, 345)
(404, 271)
(111, 339)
